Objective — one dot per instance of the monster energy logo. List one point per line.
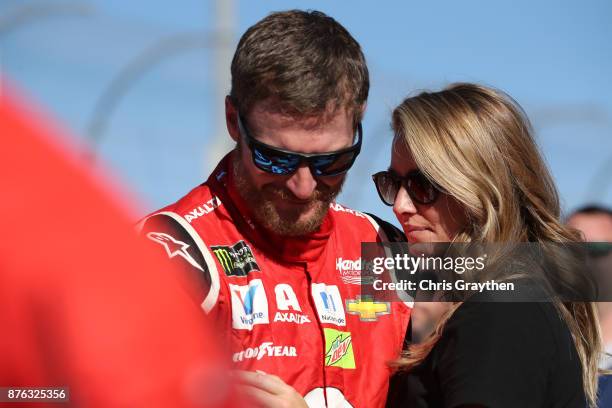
(225, 259)
(237, 259)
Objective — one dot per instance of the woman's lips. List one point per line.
(415, 233)
(415, 228)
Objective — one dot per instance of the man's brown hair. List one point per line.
(304, 61)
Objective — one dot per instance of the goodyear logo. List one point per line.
(367, 309)
(236, 260)
(338, 349)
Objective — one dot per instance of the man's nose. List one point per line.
(302, 183)
(403, 204)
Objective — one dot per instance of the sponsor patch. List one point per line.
(349, 270)
(291, 317)
(329, 304)
(249, 305)
(173, 247)
(367, 309)
(340, 208)
(267, 349)
(203, 209)
(236, 260)
(288, 306)
(338, 349)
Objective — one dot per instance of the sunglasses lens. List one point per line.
(599, 249)
(386, 186)
(332, 164)
(420, 188)
(274, 162)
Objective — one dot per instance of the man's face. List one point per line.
(294, 204)
(595, 227)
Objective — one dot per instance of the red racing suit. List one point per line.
(289, 306)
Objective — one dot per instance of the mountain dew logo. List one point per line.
(338, 349)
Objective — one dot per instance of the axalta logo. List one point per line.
(291, 317)
(289, 308)
(340, 208)
(338, 349)
(203, 209)
(329, 304)
(249, 305)
(267, 349)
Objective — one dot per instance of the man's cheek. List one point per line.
(331, 185)
(259, 178)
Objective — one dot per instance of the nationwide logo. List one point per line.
(329, 304)
(203, 209)
(338, 349)
(249, 305)
(267, 349)
(236, 260)
(173, 247)
(367, 309)
(291, 317)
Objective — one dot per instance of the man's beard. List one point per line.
(285, 222)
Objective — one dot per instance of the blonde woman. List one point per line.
(465, 168)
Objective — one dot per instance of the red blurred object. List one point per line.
(83, 303)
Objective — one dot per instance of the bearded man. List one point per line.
(264, 247)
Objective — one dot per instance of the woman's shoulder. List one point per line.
(505, 329)
(530, 328)
(521, 352)
(540, 321)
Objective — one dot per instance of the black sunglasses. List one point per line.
(598, 249)
(419, 187)
(284, 162)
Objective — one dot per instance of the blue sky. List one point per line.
(554, 57)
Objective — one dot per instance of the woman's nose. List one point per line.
(403, 205)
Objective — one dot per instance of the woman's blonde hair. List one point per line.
(477, 144)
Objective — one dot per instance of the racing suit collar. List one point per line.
(307, 248)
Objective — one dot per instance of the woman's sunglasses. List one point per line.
(419, 188)
(283, 162)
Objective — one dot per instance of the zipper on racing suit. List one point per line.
(321, 331)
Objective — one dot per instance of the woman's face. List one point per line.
(439, 221)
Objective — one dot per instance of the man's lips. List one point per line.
(301, 203)
(290, 202)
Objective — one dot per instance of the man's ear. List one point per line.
(231, 119)
(363, 109)
(359, 112)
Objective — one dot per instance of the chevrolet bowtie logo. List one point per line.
(368, 310)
